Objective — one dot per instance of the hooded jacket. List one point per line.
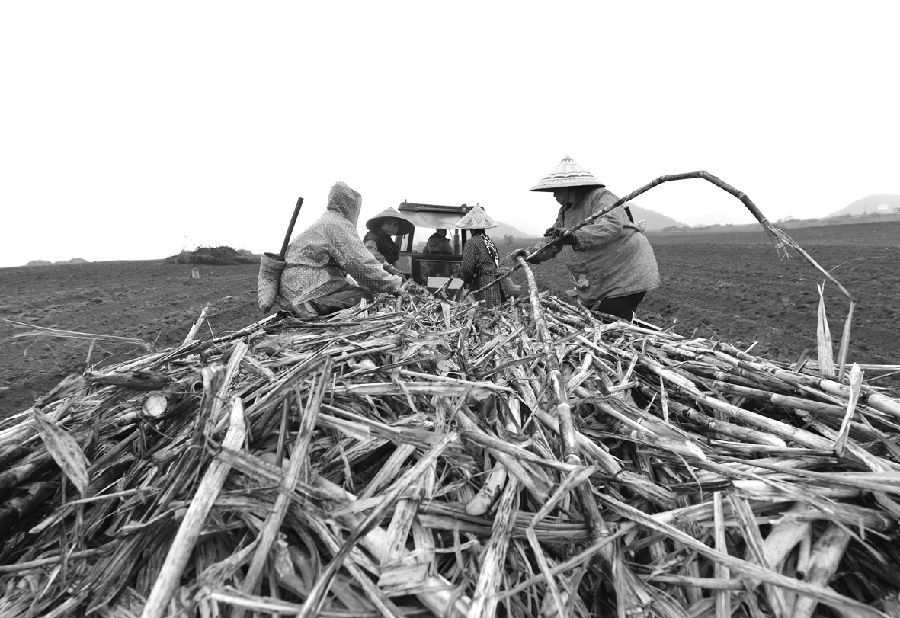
(611, 257)
(320, 257)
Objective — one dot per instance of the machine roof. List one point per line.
(433, 216)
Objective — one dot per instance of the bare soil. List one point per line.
(154, 301)
(724, 286)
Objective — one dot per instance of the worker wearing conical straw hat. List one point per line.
(382, 226)
(480, 260)
(611, 260)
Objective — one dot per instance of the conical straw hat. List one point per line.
(567, 174)
(475, 219)
(406, 226)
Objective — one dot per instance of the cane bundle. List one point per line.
(418, 457)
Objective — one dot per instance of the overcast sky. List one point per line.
(127, 127)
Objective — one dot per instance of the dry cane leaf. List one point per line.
(64, 450)
(825, 345)
(856, 376)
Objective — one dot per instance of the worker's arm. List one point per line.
(602, 231)
(372, 245)
(353, 256)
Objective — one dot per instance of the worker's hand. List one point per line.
(411, 287)
(393, 270)
(560, 235)
(545, 253)
(518, 253)
(566, 239)
(552, 231)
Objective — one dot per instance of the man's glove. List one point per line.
(392, 270)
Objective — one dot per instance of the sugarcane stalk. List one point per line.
(436, 593)
(513, 467)
(189, 530)
(537, 312)
(298, 460)
(823, 563)
(723, 597)
(493, 485)
(192, 334)
(484, 599)
(313, 601)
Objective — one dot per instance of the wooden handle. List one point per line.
(287, 237)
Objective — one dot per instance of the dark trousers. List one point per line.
(348, 296)
(620, 306)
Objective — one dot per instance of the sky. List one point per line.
(132, 130)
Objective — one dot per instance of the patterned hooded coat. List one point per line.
(480, 265)
(320, 258)
(611, 257)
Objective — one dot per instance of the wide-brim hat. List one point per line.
(567, 174)
(475, 219)
(405, 225)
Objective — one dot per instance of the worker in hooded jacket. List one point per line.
(314, 280)
(611, 260)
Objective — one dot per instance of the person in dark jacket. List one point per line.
(480, 260)
(611, 260)
(382, 227)
(438, 244)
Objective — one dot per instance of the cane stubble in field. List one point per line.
(421, 457)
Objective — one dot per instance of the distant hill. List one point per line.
(72, 261)
(58, 262)
(655, 221)
(882, 203)
(504, 229)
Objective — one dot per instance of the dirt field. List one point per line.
(728, 286)
(154, 301)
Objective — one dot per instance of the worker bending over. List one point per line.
(611, 260)
(314, 280)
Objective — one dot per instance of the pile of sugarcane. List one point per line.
(419, 457)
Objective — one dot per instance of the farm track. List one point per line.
(724, 286)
